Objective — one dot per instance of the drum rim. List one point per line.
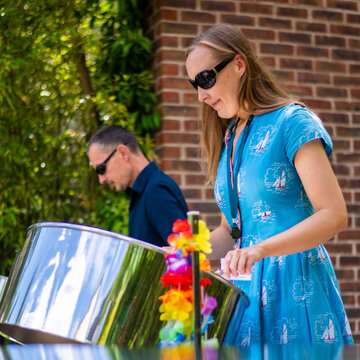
(96, 230)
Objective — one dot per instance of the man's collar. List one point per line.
(143, 178)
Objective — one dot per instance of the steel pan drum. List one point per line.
(79, 284)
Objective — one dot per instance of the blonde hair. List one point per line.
(258, 91)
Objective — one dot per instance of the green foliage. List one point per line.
(67, 68)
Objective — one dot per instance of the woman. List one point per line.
(279, 197)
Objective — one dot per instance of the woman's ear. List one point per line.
(240, 63)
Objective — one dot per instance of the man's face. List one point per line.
(117, 171)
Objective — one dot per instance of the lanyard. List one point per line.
(232, 174)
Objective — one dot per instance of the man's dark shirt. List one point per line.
(156, 202)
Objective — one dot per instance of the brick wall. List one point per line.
(314, 48)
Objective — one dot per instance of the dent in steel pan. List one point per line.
(81, 284)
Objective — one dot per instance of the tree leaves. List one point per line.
(67, 68)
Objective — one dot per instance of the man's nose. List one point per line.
(102, 179)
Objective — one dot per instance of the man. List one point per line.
(156, 201)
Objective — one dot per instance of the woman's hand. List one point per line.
(240, 261)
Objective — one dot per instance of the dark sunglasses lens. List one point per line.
(193, 83)
(101, 169)
(205, 79)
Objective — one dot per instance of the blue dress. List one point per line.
(293, 298)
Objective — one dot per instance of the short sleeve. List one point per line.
(302, 126)
(164, 208)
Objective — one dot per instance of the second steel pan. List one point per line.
(79, 284)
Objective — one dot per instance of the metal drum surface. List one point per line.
(79, 284)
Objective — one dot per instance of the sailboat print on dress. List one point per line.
(264, 214)
(347, 330)
(280, 181)
(261, 145)
(263, 297)
(321, 254)
(329, 333)
(246, 341)
(284, 336)
(217, 195)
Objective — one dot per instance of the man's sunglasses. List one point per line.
(207, 78)
(101, 169)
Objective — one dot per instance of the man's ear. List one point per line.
(124, 152)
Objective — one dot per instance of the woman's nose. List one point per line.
(202, 95)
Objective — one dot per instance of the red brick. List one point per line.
(296, 64)
(256, 8)
(208, 207)
(169, 55)
(166, 41)
(277, 49)
(191, 4)
(317, 104)
(193, 152)
(285, 76)
(178, 138)
(177, 28)
(351, 55)
(192, 193)
(170, 124)
(195, 179)
(165, 14)
(178, 110)
(192, 125)
(173, 83)
(324, 40)
(347, 106)
(166, 97)
(309, 26)
(331, 92)
(347, 274)
(237, 19)
(346, 80)
(339, 248)
(299, 90)
(335, 118)
(218, 6)
(343, 4)
(349, 286)
(168, 69)
(292, 12)
(191, 98)
(342, 169)
(313, 78)
(309, 2)
(325, 66)
(345, 30)
(275, 23)
(312, 51)
(168, 152)
(197, 17)
(269, 61)
(327, 15)
(355, 18)
(341, 145)
(258, 34)
(354, 43)
(294, 37)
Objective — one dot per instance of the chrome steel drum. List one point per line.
(77, 283)
(3, 281)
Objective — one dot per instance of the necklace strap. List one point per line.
(232, 174)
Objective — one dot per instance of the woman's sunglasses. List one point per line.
(207, 78)
(101, 169)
